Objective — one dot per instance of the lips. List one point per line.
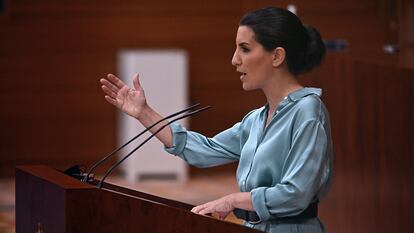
(242, 74)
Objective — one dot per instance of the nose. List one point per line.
(235, 61)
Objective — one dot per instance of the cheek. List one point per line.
(252, 64)
(261, 67)
(258, 62)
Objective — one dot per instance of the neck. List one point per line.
(280, 87)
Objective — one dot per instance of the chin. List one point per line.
(248, 87)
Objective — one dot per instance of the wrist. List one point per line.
(235, 200)
(241, 200)
(143, 113)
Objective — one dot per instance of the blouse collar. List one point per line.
(299, 94)
(295, 96)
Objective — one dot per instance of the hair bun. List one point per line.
(315, 51)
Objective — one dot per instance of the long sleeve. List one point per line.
(305, 171)
(201, 151)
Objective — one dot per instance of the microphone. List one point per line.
(86, 177)
(146, 140)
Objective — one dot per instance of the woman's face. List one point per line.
(252, 60)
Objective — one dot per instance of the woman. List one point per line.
(284, 148)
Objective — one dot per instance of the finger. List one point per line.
(110, 100)
(116, 81)
(205, 211)
(109, 92)
(137, 82)
(197, 209)
(109, 85)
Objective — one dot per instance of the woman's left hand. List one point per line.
(222, 207)
(226, 204)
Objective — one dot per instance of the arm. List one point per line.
(195, 148)
(202, 151)
(305, 172)
(133, 102)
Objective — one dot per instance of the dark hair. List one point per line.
(275, 27)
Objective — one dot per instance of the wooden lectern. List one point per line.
(48, 201)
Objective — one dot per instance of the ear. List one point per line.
(279, 55)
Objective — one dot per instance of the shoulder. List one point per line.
(311, 107)
(251, 119)
(253, 115)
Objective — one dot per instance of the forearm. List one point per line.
(148, 117)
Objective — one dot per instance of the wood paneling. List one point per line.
(366, 24)
(406, 17)
(52, 54)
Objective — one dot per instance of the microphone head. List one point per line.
(77, 172)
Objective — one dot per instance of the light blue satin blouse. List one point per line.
(284, 166)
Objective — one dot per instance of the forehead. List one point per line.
(244, 35)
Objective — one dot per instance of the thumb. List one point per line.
(136, 82)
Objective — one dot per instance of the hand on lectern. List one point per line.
(225, 205)
(129, 100)
(221, 207)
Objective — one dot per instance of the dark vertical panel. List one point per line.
(2, 6)
(373, 182)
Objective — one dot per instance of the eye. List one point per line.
(245, 50)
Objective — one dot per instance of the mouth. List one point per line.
(242, 74)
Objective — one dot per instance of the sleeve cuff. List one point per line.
(259, 203)
(179, 135)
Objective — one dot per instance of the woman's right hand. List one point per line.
(129, 100)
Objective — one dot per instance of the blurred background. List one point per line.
(53, 53)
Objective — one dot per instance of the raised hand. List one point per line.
(129, 100)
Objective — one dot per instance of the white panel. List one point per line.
(163, 75)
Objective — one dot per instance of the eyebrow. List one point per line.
(243, 43)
